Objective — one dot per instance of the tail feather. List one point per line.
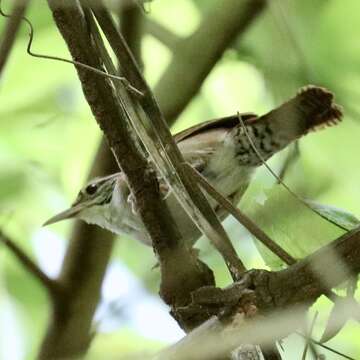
(318, 107)
(312, 108)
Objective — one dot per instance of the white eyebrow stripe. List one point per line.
(101, 180)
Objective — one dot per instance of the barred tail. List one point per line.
(318, 107)
(312, 108)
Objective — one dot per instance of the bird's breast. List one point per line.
(225, 172)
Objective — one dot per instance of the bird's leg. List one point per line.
(131, 201)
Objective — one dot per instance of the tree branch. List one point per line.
(161, 33)
(131, 26)
(63, 338)
(50, 285)
(251, 308)
(8, 36)
(101, 99)
(242, 218)
(83, 268)
(195, 56)
(91, 246)
(183, 186)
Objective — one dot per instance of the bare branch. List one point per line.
(242, 218)
(90, 247)
(60, 340)
(314, 342)
(50, 285)
(77, 63)
(8, 36)
(241, 17)
(101, 99)
(193, 201)
(291, 158)
(163, 34)
(206, 46)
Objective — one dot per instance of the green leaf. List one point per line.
(298, 229)
(343, 310)
(340, 217)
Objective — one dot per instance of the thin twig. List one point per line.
(327, 347)
(242, 218)
(73, 62)
(28, 264)
(291, 158)
(308, 339)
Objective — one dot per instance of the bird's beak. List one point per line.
(67, 214)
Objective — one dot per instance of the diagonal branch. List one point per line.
(242, 218)
(60, 340)
(194, 57)
(50, 285)
(90, 247)
(186, 191)
(8, 36)
(83, 269)
(248, 223)
(161, 33)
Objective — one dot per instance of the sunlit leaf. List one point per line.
(12, 183)
(335, 215)
(296, 228)
(341, 313)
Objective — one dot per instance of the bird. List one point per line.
(224, 151)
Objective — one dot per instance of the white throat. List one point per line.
(117, 215)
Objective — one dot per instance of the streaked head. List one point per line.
(91, 199)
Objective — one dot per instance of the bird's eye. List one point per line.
(91, 189)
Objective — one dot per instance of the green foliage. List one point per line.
(340, 217)
(297, 228)
(48, 139)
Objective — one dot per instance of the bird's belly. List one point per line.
(231, 181)
(127, 223)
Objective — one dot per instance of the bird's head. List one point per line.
(91, 201)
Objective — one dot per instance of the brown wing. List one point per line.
(227, 122)
(198, 143)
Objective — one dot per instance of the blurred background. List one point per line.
(48, 140)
